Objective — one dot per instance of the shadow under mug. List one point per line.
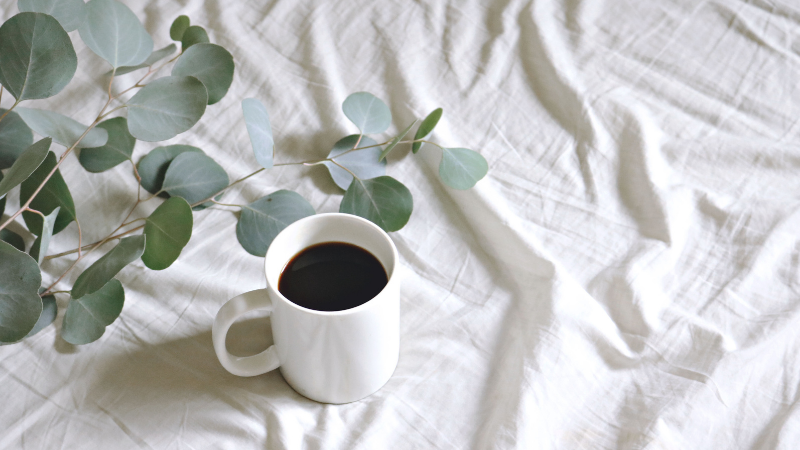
(327, 356)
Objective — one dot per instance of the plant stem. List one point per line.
(112, 111)
(150, 71)
(9, 110)
(226, 204)
(54, 292)
(345, 168)
(95, 244)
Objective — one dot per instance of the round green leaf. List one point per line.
(69, 13)
(396, 141)
(154, 57)
(36, 56)
(115, 34)
(87, 317)
(166, 107)
(367, 112)
(195, 177)
(24, 166)
(118, 148)
(42, 242)
(12, 238)
(364, 163)
(153, 166)
(263, 219)
(209, 63)
(179, 27)
(193, 35)
(168, 230)
(62, 129)
(104, 269)
(54, 194)
(20, 305)
(426, 127)
(384, 201)
(461, 168)
(15, 136)
(48, 315)
(259, 129)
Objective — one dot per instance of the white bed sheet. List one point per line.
(625, 277)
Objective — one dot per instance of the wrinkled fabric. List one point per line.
(625, 277)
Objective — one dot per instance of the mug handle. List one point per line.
(243, 366)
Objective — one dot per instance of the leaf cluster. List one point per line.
(38, 61)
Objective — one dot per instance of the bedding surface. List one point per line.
(625, 277)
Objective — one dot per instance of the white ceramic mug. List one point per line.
(330, 357)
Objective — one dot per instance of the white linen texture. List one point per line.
(625, 277)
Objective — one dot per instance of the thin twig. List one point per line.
(9, 110)
(80, 237)
(95, 244)
(54, 292)
(345, 168)
(226, 204)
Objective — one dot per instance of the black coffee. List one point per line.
(332, 276)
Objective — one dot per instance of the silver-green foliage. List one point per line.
(36, 56)
(20, 304)
(37, 60)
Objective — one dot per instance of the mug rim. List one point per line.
(391, 276)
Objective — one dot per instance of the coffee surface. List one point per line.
(332, 276)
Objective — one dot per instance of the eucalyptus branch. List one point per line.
(206, 72)
(53, 171)
(150, 71)
(61, 159)
(94, 244)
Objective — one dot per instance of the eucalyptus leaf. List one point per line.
(154, 57)
(54, 194)
(117, 149)
(27, 162)
(168, 230)
(104, 269)
(48, 315)
(20, 304)
(36, 56)
(115, 34)
(259, 129)
(42, 242)
(87, 317)
(62, 129)
(363, 163)
(195, 177)
(426, 127)
(367, 112)
(179, 27)
(193, 35)
(263, 219)
(69, 13)
(396, 140)
(153, 166)
(384, 201)
(12, 238)
(209, 63)
(15, 137)
(166, 107)
(461, 168)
